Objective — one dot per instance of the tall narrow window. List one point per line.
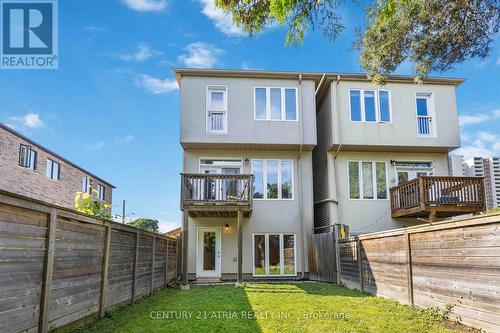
(275, 103)
(424, 116)
(367, 180)
(217, 109)
(52, 171)
(101, 192)
(87, 185)
(258, 180)
(27, 157)
(286, 179)
(288, 254)
(272, 179)
(274, 255)
(355, 100)
(384, 106)
(369, 100)
(381, 180)
(290, 104)
(259, 248)
(354, 180)
(260, 103)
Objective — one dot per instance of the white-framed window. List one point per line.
(101, 192)
(53, 168)
(367, 180)
(426, 125)
(370, 105)
(27, 157)
(86, 185)
(274, 254)
(273, 179)
(275, 103)
(217, 109)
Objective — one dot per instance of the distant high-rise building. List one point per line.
(489, 168)
(456, 166)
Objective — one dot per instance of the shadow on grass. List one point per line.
(330, 289)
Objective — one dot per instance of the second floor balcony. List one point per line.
(438, 197)
(216, 195)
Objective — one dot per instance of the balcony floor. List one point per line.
(198, 209)
(437, 211)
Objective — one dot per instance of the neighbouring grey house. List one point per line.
(269, 158)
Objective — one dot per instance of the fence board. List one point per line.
(76, 286)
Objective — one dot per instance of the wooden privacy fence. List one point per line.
(58, 266)
(456, 263)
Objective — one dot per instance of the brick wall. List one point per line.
(35, 183)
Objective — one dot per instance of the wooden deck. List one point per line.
(438, 197)
(216, 195)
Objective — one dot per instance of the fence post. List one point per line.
(43, 325)
(104, 276)
(153, 265)
(136, 260)
(166, 264)
(337, 253)
(360, 264)
(409, 273)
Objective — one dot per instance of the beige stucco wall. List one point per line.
(364, 216)
(268, 215)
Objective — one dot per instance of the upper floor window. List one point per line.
(370, 105)
(87, 185)
(273, 179)
(27, 157)
(367, 180)
(272, 103)
(52, 169)
(425, 114)
(101, 192)
(217, 109)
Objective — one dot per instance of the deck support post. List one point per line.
(153, 254)
(360, 264)
(185, 245)
(240, 247)
(136, 263)
(105, 268)
(43, 326)
(409, 271)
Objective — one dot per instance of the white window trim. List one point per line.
(282, 253)
(223, 88)
(240, 165)
(264, 177)
(52, 169)
(268, 104)
(431, 111)
(374, 180)
(377, 106)
(99, 187)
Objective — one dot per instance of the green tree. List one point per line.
(145, 224)
(432, 34)
(85, 204)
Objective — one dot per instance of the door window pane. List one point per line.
(216, 100)
(290, 104)
(369, 99)
(402, 177)
(258, 180)
(367, 180)
(289, 254)
(259, 254)
(274, 255)
(422, 106)
(209, 251)
(381, 180)
(355, 98)
(272, 179)
(286, 180)
(260, 103)
(385, 114)
(276, 103)
(354, 180)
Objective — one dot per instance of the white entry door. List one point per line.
(208, 253)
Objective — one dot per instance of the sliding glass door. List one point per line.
(274, 254)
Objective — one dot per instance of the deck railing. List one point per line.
(216, 188)
(429, 191)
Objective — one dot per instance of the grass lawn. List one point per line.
(259, 307)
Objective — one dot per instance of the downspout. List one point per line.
(299, 181)
(339, 127)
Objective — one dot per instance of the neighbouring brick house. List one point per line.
(29, 169)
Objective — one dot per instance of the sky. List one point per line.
(112, 107)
